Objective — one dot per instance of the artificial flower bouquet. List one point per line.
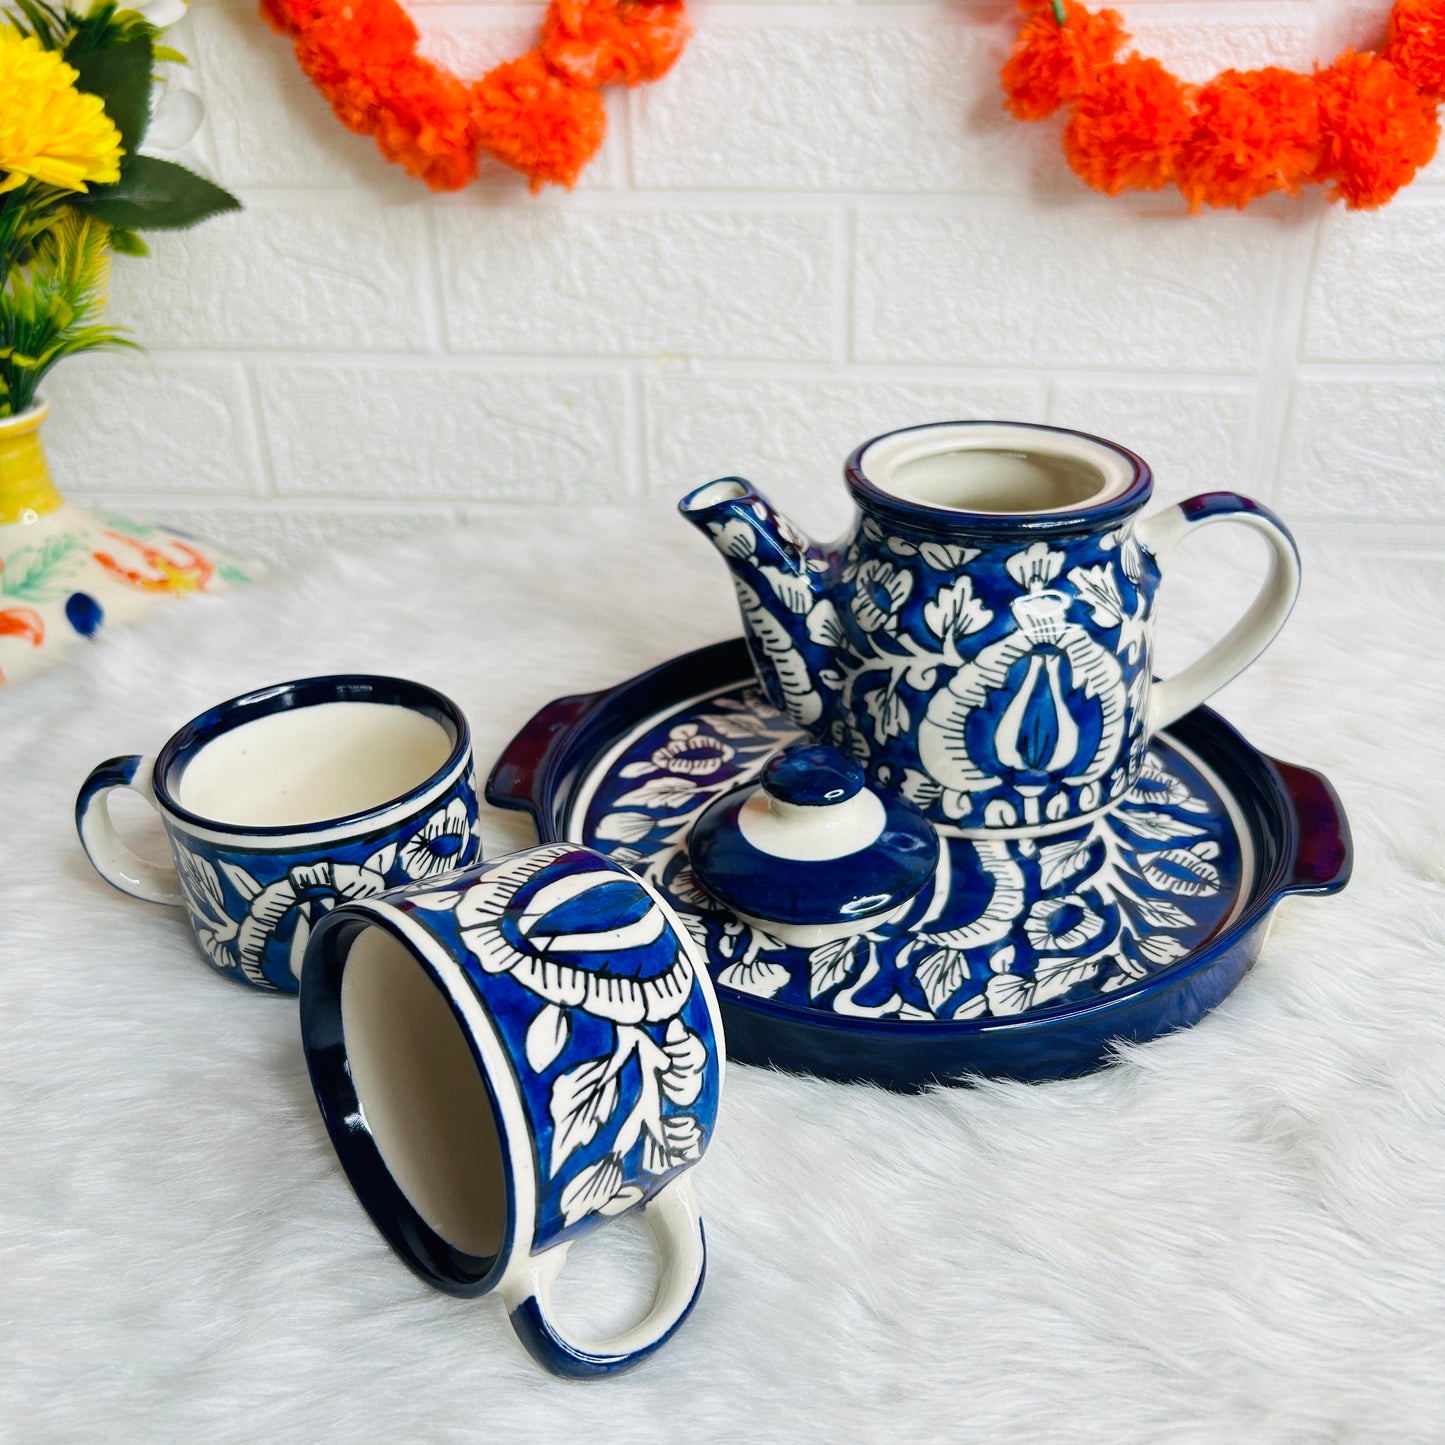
(83, 111)
(79, 94)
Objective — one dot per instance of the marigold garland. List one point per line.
(539, 113)
(1362, 126)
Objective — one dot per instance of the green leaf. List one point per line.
(127, 243)
(156, 195)
(46, 23)
(143, 530)
(104, 26)
(121, 77)
(50, 307)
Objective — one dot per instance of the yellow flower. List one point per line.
(49, 131)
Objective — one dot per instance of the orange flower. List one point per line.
(614, 40)
(23, 622)
(532, 118)
(1416, 44)
(1127, 127)
(182, 570)
(1378, 129)
(1255, 131)
(1365, 125)
(1051, 63)
(540, 113)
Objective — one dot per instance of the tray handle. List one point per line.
(1323, 852)
(517, 778)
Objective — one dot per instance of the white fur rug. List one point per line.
(1236, 1234)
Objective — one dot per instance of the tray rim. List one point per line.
(529, 775)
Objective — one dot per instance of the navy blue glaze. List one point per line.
(1006, 927)
(1291, 816)
(267, 894)
(113, 773)
(618, 1094)
(561, 1357)
(992, 668)
(880, 877)
(1230, 504)
(84, 613)
(254, 893)
(513, 1007)
(982, 666)
(811, 775)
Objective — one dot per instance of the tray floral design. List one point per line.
(1009, 926)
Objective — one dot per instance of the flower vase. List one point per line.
(66, 572)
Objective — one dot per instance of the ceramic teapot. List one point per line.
(980, 640)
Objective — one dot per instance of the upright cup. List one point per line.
(510, 1059)
(286, 801)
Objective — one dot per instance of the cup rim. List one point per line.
(1114, 506)
(426, 1252)
(261, 702)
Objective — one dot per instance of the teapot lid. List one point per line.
(810, 846)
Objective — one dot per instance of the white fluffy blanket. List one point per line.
(1235, 1234)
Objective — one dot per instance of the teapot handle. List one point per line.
(1161, 533)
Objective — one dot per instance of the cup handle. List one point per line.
(1161, 533)
(677, 1230)
(116, 863)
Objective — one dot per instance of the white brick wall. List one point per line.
(821, 225)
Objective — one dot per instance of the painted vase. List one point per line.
(66, 572)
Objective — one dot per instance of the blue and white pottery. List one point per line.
(809, 853)
(509, 1060)
(980, 640)
(1025, 956)
(284, 802)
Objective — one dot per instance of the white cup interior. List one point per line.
(996, 469)
(421, 1094)
(311, 764)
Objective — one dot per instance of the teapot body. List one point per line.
(995, 679)
(981, 639)
(991, 666)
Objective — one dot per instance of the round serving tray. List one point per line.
(1028, 956)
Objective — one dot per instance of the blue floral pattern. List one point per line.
(997, 685)
(589, 984)
(1010, 926)
(253, 909)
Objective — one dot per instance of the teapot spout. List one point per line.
(782, 582)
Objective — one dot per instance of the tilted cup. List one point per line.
(281, 803)
(510, 1059)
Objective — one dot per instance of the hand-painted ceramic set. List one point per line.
(933, 819)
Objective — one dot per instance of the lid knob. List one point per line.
(812, 775)
(810, 852)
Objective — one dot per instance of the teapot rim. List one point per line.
(1128, 481)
